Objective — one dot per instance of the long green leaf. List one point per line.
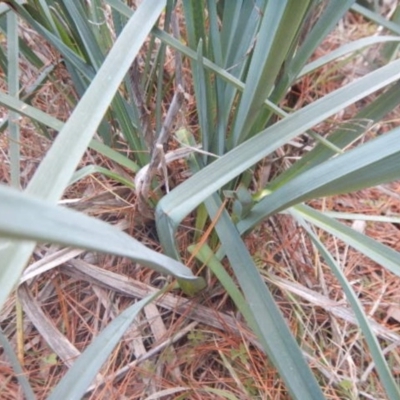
(20, 374)
(381, 365)
(25, 218)
(353, 47)
(365, 166)
(205, 93)
(381, 254)
(13, 88)
(344, 135)
(85, 368)
(324, 24)
(93, 169)
(262, 313)
(83, 27)
(271, 328)
(377, 18)
(281, 20)
(376, 251)
(206, 256)
(69, 54)
(40, 116)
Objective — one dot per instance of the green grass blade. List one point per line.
(45, 9)
(271, 328)
(217, 137)
(262, 314)
(376, 251)
(231, 43)
(378, 19)
(381, 254)
(99, 26)
(195, 23)
(78, 130)
(82, 30)
(85, 368)
(159, 65)
(13, 88)
(204, 90)
(19, 372)
(298, 55)
(114, 155)
(393, 219)
(83, 44)
(207, 257)
(392, 389)
(240, 23)
(325, 23)
(281, 20)
(365, 166)
(390, 50)
(40, 116)
(88, 170)
(25, 218)
(344, 135)
(353, 47)
(69, 54)
(203, 99)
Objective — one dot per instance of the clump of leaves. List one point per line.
(244, 59)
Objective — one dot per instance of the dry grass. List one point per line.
(185, 349)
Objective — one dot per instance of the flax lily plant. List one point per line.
(244, 58)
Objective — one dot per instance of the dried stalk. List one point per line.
(158, 148)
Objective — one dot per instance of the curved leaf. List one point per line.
(26, 218)
(80, 376)
(392, 389)
(368, 165)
